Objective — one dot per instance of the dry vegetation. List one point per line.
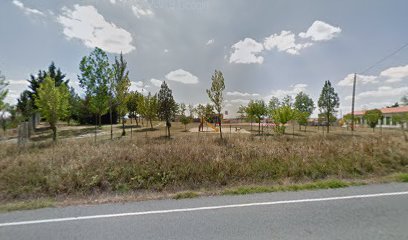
(80, 167)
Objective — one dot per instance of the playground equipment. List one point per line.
(205, 120)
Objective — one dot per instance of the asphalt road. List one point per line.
(366, 212)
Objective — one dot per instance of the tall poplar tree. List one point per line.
(328, 102)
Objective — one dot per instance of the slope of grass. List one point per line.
(191, 161)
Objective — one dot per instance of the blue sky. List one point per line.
(264, 48)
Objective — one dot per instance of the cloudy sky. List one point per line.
(264, 48)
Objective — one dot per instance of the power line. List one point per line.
(384, 58)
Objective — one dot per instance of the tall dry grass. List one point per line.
(81, 167)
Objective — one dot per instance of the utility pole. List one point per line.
(352, 102)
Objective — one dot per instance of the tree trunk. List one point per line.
(259, 126)
(219, 119)
(123, 127)
(137, 122)
(54, 133)
(328, 122)
(100, 120)
(151, 124)
(96, 125)
(111, 122)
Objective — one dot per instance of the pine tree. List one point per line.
(167, 107)
(328, 102)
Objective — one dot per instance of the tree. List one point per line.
(372, 117)
(149, 108)
(25, 105)
(132, 105)
(256, 109)
(95, 78)
(52, 102)
(404, 100)
(402, 119)
(3, 92)
(282, 116)
(167, 107)
(242, 112)
(215, 93)
(75, 103)
(328, 102)
(305, 106)
(121, 84)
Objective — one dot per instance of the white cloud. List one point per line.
(384, 91)
(113, 1)
(182, 76)
(156, 82)
(241, 94)
(361, 79)
(141, 11)
(166, 50)
(209, 42)
(15, 88)
(396, 74)
(27, 10)
(87, 25)
(139, 87)
(320, 31)
(245, 51)
(240, 101)
(285, 41)
(294, 89)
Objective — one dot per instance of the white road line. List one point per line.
(200, 209)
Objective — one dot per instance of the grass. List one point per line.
(190, 161)
(325, 184)
(26, 205)
(401, 177)
(183, 195)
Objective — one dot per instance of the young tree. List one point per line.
(402, 119)
(167, 106)
(216, 94)
(53, 102)
(149, 108)
(75, 103)
(282, 116)
(257, 109)
(305, 106)
(132, 105)
(95, 78)
(121, 84)
(242, 112)
(372, 117)
(3, 92)
(328, 102)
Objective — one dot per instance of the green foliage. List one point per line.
(167, 107)
(3, 91)
(95, 79)
(215, 93)
(132, 103)
(53, 102)
(120, 85)
(328, 102)
(274, 103)
(304, 103)
(25, 105)
(282, 116)
(256, 109)
(372, 117)
(148, 107)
